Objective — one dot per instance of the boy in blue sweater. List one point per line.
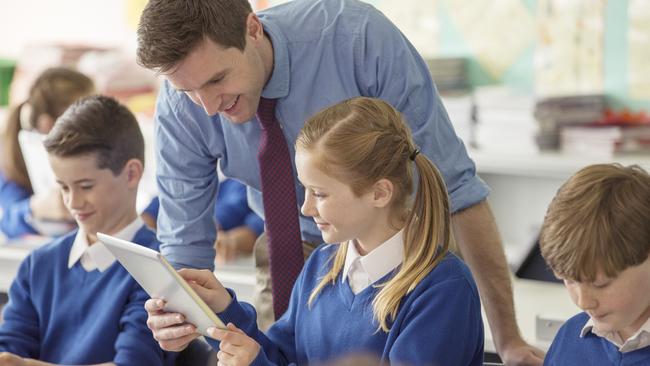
(384, 286)
(71, 303)
(596, 237)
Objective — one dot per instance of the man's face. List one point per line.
(223, 80)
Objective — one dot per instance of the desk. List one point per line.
(239, 275)
(532, 298)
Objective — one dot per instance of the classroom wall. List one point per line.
(544, 47)
(96, 22)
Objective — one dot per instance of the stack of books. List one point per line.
(557, 114)
(505, 120)
(616, 133)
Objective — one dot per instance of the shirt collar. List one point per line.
(638, 340)
(96, 256)
(380, 261)
(278, 85)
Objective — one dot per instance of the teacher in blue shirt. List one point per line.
(219, 58)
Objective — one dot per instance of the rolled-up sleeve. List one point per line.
(186, 175)
(390, 68)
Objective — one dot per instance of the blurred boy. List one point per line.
(71, 303)
(596, 237)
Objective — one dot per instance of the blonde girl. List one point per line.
(385, 284)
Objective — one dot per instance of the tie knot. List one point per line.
(266, 111)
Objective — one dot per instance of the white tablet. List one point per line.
(160, 280)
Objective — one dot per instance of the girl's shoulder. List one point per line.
(450, 269)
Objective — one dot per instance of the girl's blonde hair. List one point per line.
(361, 141)
(51, 93)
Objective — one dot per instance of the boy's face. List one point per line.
(98, 200)
(224, 80)
(620, 304)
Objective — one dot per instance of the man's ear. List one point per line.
(133, 170)
(382, 193)
(254, 28)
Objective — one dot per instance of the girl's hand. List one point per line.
(208, 288)
(236, 348)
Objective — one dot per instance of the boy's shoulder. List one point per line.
(55, 247)
(61, 245)
(146, 237)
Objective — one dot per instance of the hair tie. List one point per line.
(414, 154)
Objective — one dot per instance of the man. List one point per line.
(306, 55)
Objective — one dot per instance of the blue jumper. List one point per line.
(569, 348)
(438, 323)
(71, 316)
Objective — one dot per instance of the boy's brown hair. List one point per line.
(99, 125)
(599, 222)
(170, 29)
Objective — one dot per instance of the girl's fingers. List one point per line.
(202, 277)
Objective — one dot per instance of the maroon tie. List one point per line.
(280, 207)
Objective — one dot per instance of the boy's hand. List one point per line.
(236, 348)
(169, 329)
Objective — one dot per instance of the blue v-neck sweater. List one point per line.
(70, 316)
(438, 323)
(569, 349)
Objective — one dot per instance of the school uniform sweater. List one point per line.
(71, 316)
(438, 323)
(14, 209)
(569, 348)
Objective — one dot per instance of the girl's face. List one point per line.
(339, 214)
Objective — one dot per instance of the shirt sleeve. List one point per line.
(19, 334)
(391, 69)
(14, 210)
(187, 180)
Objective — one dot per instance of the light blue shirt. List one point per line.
(325, 51)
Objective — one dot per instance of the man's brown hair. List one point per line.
(99, 125)
(599, 221)
(170, 29)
